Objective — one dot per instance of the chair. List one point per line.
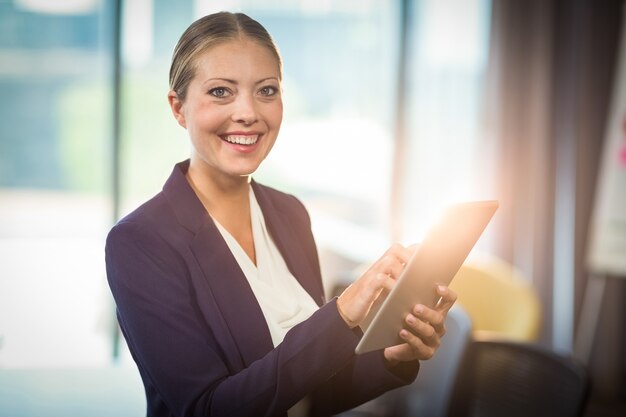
(430, 394)
(507, 378)
(500, 301)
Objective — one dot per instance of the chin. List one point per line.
(244, 172)
(246, 169)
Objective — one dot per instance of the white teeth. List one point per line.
(242, 140)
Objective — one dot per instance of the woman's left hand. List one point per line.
(423, 331)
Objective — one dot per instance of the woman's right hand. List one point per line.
(357, 300)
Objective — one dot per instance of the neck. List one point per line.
(219, 193)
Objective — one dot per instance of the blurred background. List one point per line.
(393, 110)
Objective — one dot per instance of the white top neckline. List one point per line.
(282, 299)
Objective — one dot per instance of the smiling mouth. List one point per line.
(241, 139)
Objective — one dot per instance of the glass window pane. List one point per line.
(55, 127)
(448, 59)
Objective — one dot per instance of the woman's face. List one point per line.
(233, 108)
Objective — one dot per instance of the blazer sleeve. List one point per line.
(363, 377)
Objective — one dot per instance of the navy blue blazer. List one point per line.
(197, 333)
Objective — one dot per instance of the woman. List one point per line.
(217, 280)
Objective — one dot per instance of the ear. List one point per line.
(177, 108)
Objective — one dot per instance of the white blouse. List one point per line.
(282, 299)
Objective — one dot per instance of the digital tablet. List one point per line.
(436, 261)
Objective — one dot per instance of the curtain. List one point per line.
(548, 91)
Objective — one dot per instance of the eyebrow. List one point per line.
(228, 80)
(219, 79)
(267, 79)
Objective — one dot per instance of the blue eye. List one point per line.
(219, 92)
(268, 91)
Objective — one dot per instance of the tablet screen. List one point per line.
(435, 262)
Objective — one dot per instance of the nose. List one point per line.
(245, 110)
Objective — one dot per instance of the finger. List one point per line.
(393, 261)
(401, 253)
(393, 268)
(447, 300)
(388, 264)
(423, 330)
(357, 299)
(384, 282)
(421, 350)
(374, 291)
(403, 352)
(371, 289)
(434, 318)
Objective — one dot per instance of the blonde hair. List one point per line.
(209, 31)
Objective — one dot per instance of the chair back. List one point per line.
(506, 378)
(500, 301)
(430, 394)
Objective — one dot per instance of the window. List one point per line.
(335, 150)
(447, 62)
(54, 195)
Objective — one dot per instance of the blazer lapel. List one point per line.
(233, 296)
(228, 302)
